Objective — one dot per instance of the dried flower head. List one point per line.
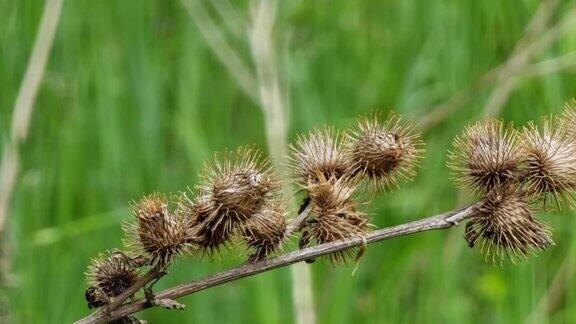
(156, 232)
(108, 276)
(549, 160)
(238, 183)
(335, 215)
(485, 156)
(385, 152)
(266, 231)
(505, 226)
(321, 152)
(210, 225)
(569, 117)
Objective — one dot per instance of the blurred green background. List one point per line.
(134, 99)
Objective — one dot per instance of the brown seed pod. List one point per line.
(505, 226)
(108, 277)
(485, 156)
(385, 152)
(211, 226)
(266, 231)
(335, 215)
(156, 232)
(321, 152)
(549, 160)
(238, 183)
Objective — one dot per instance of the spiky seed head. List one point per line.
(108, 277)
(569, 117)
(385, 152)
(336, 215)
(328, 196)
(549, 160)
(210, 225)
(505, 226)
(485, 156)
(266, 231)
(332, 228)
(239, 182)
(156, 232)
(321, 152)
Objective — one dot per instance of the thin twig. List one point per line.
(442, 221)
(535, 40)
(21, 116)
(297, 222)
(263, 16)
(231, 18)
(225, 53)
(523, 52)
(25, 102)
(553, 65)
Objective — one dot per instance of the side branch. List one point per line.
(441, 221)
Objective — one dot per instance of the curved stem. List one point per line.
(441, 221)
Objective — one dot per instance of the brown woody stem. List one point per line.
(441, 221)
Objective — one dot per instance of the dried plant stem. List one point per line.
(21, 117)
(298, 222)
(149, 277)
(535, 39)
(222, 48)
(538, 36)
(442, 221)
(24, 105)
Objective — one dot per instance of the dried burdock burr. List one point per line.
(238, 183)
(211, 226)
(387, 151)
(156, 232)
(235, 187)
(319, 153)
(505, 226)
(265, 232)
(108, 277)
(569, 117)
(485, 156)
(335, 215)
(549, 155)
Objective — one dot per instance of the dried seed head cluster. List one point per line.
(515, 171)
(506, 226)
(237, 193)
(385, 152)
(157, 232)
(239, 197)
(319, 154)
(330, 168)
(108, 276)
(549, 159)
(335, 215)
(485, 156)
